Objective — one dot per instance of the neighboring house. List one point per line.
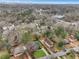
(19, 52)
(48, 43)
(76, 49)
(14, 38)
(61, 53)
(59, 16)
(32, 46)
(66, 41)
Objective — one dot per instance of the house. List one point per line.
(19, 52)
(32, 46)
(76, 49)
(48, 43)
(59, 16)
(61, 53)
(66, 41)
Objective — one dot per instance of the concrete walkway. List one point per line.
(58, 57)
(29, 57)
(76, 56)
(45, 51)
(64, 57)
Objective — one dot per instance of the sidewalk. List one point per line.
(29, 57)
(45, 51)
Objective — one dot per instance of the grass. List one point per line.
(4, 55)
(62, 58)
(57, 48)
(26, 37)
(70, 56)
(39, 53)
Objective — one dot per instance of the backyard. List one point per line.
(70, 56)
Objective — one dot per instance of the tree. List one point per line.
(60, 44)
(77, 36)
(1, 42)
(26, 37)
(59, 31)
(27, 12)
(31, 18)
(49, 34)
(35, 37)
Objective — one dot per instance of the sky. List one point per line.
(41, 1)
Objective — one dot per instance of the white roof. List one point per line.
(19, 49)
(58, 16)
(76, 49)
(5, 28)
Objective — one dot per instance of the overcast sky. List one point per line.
(42, 1)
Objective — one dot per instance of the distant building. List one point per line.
(59, 16)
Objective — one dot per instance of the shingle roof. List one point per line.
(46, 57)
(76, 49)
(61, 53)
(18, 50)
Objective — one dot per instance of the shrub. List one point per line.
(27, 12)
(49, 34)
(77, 36)
(60, 44)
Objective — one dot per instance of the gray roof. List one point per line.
(46, 57)
(61, 53)
(18, 50)
(76, 49)
(14, 38)
(66, 41)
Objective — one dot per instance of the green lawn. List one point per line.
(4, 55)
(39, 53)
(62, 58)
(70, 56)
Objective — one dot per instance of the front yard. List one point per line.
(39, 53)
